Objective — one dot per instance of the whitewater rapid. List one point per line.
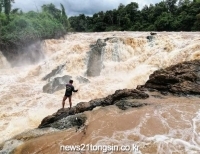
(126, 64)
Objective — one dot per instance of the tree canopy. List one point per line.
(167, 15)
(18, 29)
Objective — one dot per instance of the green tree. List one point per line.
(159, 8)
(7, 6)
(15, 11)
(197, 23)
(184, 2)
(64, 18)
(196, 1)
(1, 5)
(52, 10)
(164, 22)
(78, 23)
(171, 5)
(132, 9)
(108, 17)
(24, 28)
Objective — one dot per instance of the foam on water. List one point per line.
(168, 127)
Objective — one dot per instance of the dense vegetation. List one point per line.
(167, 15)
(18, 29)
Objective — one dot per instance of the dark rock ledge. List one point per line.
(86, 106)
(182, 79)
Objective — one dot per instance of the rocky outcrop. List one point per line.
(54, 72)
(125, 104)
(82, 79)
(94, 62)
(57, 84)
(86, 106)
(98, 50)
(150, 38)
(180, 79)
(77, 120)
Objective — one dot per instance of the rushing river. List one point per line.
(171, 126)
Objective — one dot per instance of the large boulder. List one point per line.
(82, 79)
(56, 84)
(129, 103)
(94, 62)
(180, 79)
(54, 72)
(77, 120)
(97, 54)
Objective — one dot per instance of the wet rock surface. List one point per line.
(86, 106)
(82, 79)
(150, 38)
(125, 104)
(180, 79)
(57, 84)
(77, 120)
(96, 55)
(54, 72)
(95, 62)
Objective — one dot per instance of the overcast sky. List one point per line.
(76, 7)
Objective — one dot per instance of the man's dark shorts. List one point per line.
(67, 95)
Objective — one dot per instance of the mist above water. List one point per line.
(22, 56)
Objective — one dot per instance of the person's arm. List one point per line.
(74, 89)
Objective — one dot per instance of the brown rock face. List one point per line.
(181, 79)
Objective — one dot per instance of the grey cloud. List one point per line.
(76, 7)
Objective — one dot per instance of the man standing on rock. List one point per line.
(68, 93)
